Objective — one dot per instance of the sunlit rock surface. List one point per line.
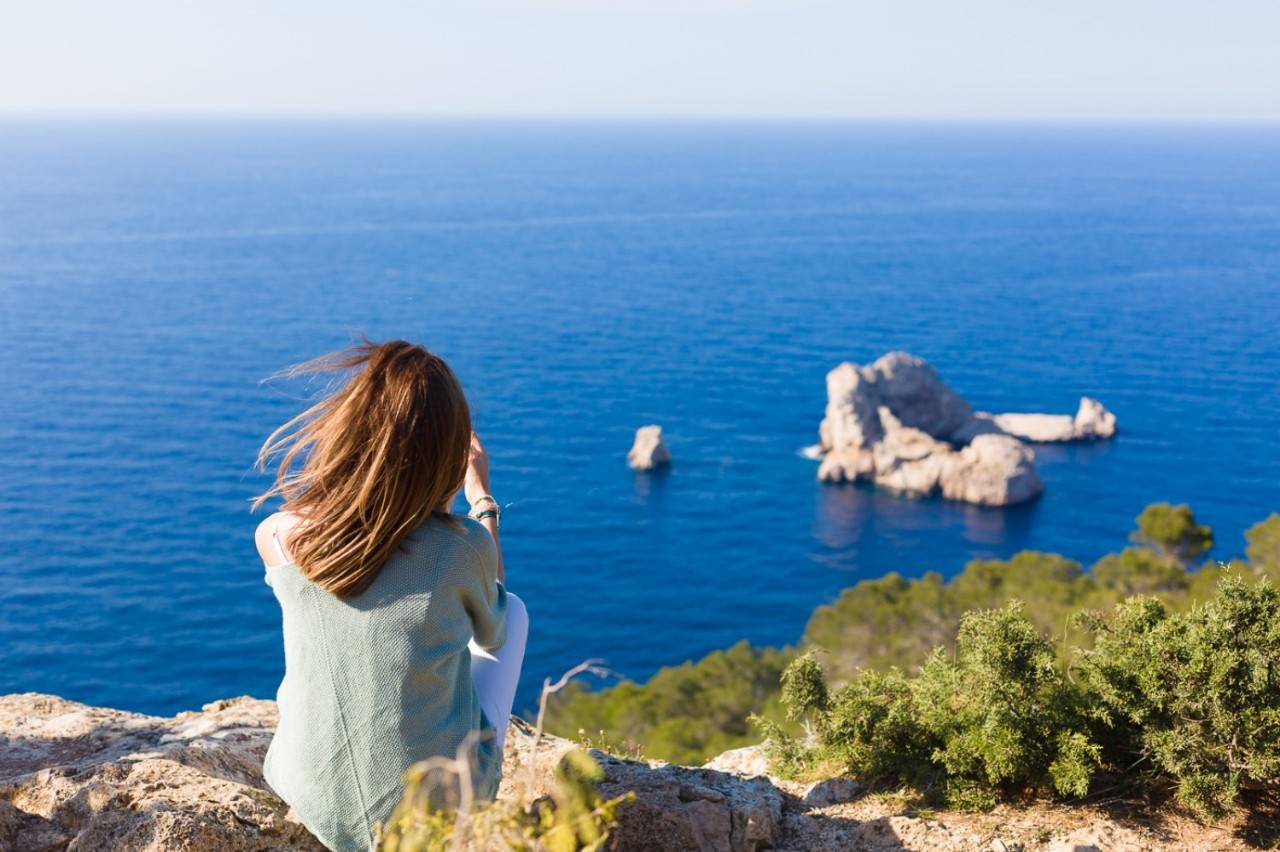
(895, 423)
(648, 451)
(80, 777)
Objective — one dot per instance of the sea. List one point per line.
(585, 278)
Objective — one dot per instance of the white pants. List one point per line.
(496, 674)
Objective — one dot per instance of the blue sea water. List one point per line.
(584, 279)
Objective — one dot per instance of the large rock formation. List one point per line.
(648, 451)
(88, 778)
(895, 423)
(81, 778)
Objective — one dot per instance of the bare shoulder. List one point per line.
(274, 528)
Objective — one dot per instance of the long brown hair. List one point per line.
(366, 465)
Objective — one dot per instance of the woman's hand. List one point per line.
(475, 487)
(476, 484)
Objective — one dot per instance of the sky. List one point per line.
(1126, 60)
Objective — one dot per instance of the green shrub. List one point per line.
(1263, 547)
(1140, 571)
(999, 715)
(1194, 695)
(880, 623)
(1173, 532)
(1002, 711)
(874, 730)
(691, 712)
(804, 690)
(684, 714)
(787, 756)
(892, 621)
(1189, 699)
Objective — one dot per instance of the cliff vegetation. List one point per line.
(895, 629)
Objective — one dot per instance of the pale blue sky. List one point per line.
(931, 59)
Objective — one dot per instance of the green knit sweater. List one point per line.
(376, 682)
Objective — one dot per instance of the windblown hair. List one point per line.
(365, 466)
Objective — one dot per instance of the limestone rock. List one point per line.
(748, 760)
(910, 388)
(908, 459)
(847, 464)
(676, 807)
(87, 778)
(901, 384)
(895, 423)
(852, 418)
(1092, 421)
(648, 451)
(79, 777)
(993, 470)
(831, 791)
(981, 423)
(1037, 428)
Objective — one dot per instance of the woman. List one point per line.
(400, 640)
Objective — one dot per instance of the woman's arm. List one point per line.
(479, 499)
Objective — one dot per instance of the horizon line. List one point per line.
(604, 118)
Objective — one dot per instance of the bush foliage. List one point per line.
(1195, 696)
(1191, 698)
(573, 818)
(1173, 532)
(898, 652)
(683, 713)
(997, 714)
(1263, 547)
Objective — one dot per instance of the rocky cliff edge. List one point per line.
(75, 777)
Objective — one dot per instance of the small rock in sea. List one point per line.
(649, 451)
